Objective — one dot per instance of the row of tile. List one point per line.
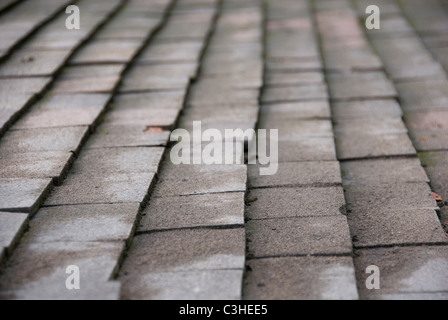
(297, 233)
(389, 202)
(428, 119)
(88, 219)
(190, 243)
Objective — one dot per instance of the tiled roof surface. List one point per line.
(86, 177)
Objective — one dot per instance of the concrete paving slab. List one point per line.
(88, 79)
(50, 164)
(11, 227)
(428, 130)
(83, 223)
(383, 171)
(150, 117)
(22, 195)
(158, 77)
(301, 278)
(294, 202)
(34, 63)
(194, 285)
(373, 126)
(358, 146)
(221, 209)
(107, 51)
(11, 107)
(436, 164)
(200, 94)
(296, 111)
(366, 110)
(242, 113)
(355, 59)
(104, 162)
(42, 273)
(361, 86)
(175, 180)
(410, 270)
(297, 65)
(384, 227)
(115, 188)
(423, 95)
(112, 136)
(392, 196)
(297, 174)
(150, 100)
(172, 52)
(294, 79)
(301, 129)
(307, 149)
(298, 236)
(188, 250)
(23, 85)
(294, 94)
(64, 111)
(66, 139)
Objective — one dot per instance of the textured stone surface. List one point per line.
(352, 60)
(366, 109)
(295, 111)
(361, 85)
(225, 114)
(294, 202)
(11, 225)
(193, 285)
(221, 209)
(112, 188)
(429, 130)
(172, 52)
(383, 171)
(43, 139)
(359, 145)
(373, 126)
(298, 236)
(22, 195)
(88, 79)
(200, 179)
(293, 94)
(158, 77)
(385, 227)
(301, 278)
(43, 271)
(50, 164)
(150, 117)
(436, 164)
(423, 95)
(413, 270)
(294, 79)
(406, 58)
(11, 106)
(306, 149)
(83, 223)
(109, 136)
(34, 63)
(294, 130)
(151, 100)
(97, 162)
(187, 250)
(64, 111)
(107, 51)
(311, 64)
(23, 85)
(296, 174)
(391, 196)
